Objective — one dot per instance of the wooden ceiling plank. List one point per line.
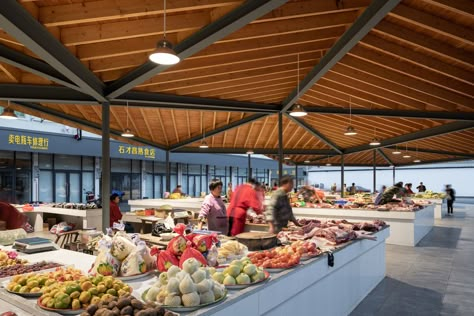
(412, 70)
(13, 73)
(435, 46)
(262, 99)
(379, 70)
(417, 58)
(462, 7)
(434, 23)
(214, 126)
(226, 92)
(356, 74)
(163, 130)
(253, 94)
(189, 124)
(173, 120)
(225, 133)
(293, 134)
(261, 131)
(100, 11)
(248, 135)
(147, 124)
(238, 131)
(271, 134)
(224, 80)
(120, 30)
(234, 69)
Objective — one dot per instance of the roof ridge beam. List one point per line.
(229, 23)
(43, 93)
(315, 133)
(19, 23)
(218, 130)
(374, 13)
(426, 133)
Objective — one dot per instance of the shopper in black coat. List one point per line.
(450, 198)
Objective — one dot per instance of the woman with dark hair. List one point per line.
(213, 209)
(115, 214)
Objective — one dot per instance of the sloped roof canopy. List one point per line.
(403, 69)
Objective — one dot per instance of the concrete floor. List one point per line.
(434, 278)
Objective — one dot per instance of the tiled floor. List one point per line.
(434, 278)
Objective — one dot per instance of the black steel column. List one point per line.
(105, 190)
(249, 168)
(168, 172)
(393, 174)
(375, 171)
(296, 176)
(342, 176)
(280, 145)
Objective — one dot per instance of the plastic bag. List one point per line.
(105, 263)
(190, 252)
(135, 263)
(212, 256)
(177, 245)
(122, 246)
(202, 242)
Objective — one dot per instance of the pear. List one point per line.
(250, 269)
(243, 279)
(234, 270)
(229, 280)
(219, 277)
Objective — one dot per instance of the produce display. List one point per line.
(398, 207)
(306, 249)
(239, 272)
(79, 294)
(22, 268)
(430, 195)
(125, 305)
(9, 258)
(122, 256)
(35, 282)
(190, 286)
(275, 258)
(76, 206)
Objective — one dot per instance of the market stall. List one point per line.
(185, 203)
(87, 218)
(358, 267)
(406, 228)
(440, 207)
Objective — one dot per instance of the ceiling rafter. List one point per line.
(384, 156)
(433, 151)
(211, 33)
(20, 24)
(374, 13)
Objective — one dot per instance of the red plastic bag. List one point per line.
(177, 245)
(164, 259)
(202, 242)
(190, 252)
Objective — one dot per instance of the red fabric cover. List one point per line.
(115, 214)
(14, 218)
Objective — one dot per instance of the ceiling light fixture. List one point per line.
(396, 151)
(307, 161)
(164, 53)
(328, 163)
(286, 158)
(8, 113)
(127, 132)
(375, 141)
(350, 131)
(249, 152)
(204, 144)
(417, 160)
(298, 110)
(406, 155)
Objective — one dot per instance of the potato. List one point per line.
(91, 309)
(137, 304)
(127, 310)
(123, 302)
(111, 305)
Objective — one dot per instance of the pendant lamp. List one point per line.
(307, 161)
(396, 151)
(350, 130)
(298, 110)
(417, 160)
(249, 152)
(203, 144)
(8, 113)
(328, 163)
(164, 53)
(406, 155)
(375, 141)
(127, 132)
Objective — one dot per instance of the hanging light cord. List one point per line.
(127, 114)
(164, 19)
(350, 110)
(298, 76)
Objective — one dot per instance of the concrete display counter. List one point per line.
(82, 218)
(188, 203)
(407, 228)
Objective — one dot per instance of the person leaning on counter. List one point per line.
(388, 194)
(213, 209)
(279, 211)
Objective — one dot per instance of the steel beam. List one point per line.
(208, 35)
(18, 22)
(390, 162)
(315, 133)
(150, 99)
(261, 151)
(221, 129)
(433, 151)
(34, 66)
(374, 13)
(426, 133)
(105, 161)
(434, 115)
(85, 123)
(43, 93)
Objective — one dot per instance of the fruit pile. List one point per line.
(34, 282)
(231, 250)
(189, 287)
(125, 305)
(83, 292)
(9, 258)
(305, 248)
(276, 258)
(239, 272)
(22, 269)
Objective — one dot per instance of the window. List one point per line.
(88, 163)
(45, 161)
(46, 186)
(67, 162)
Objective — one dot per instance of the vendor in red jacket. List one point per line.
(243, 198)
(115, 214)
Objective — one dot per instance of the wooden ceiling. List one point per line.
(408, 81)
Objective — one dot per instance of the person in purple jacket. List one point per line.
(213, 210)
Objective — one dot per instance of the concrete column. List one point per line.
(342, 176)
(144, 175)
(35, 177)
(375, 171)
(280, 145)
